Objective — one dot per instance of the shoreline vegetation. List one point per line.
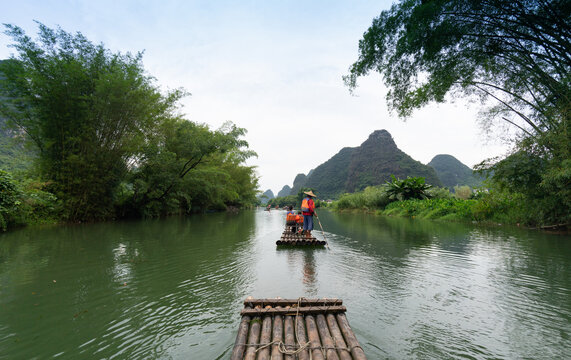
(98, 140)
(482, 206)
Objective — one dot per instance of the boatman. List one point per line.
(308, 209)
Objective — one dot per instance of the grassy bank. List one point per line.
(441, 204)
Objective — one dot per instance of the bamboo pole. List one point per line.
(277, 335)
(289, 336)
(356, 350)
(265, 338)
(301, 338)
(253, 338)
(326, 338)
(293, 311)
(274, 302)
(240, 344)
(313, 334)
(338, 338)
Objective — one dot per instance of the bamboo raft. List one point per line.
(292, 238)
(288, 238)
(280, 329)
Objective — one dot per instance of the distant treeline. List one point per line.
(293, 200)
(103, 142)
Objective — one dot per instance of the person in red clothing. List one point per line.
(307, 209)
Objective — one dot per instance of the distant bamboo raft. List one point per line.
(280, 329)
(289, 238)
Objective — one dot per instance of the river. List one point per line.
(173, 288)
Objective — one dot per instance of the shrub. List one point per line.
(462, 192)
(373, 197)
(9, 195)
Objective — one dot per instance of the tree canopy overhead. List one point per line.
(517, 53)
(514, 55)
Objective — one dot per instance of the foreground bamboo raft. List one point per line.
(280, 329)
(289, 238)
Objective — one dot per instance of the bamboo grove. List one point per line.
(107, 143)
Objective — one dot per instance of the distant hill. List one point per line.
(285, 191)
(330, 178)
(298, 183)
(266, 196)
(371, 163)
(378, 157)
(452, 172)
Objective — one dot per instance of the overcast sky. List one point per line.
(272, 67)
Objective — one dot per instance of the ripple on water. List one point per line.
(412, 290)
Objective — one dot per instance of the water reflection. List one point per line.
(172, 288)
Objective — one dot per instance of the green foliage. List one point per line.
(462, 192)
(87, 110)
(109, 143)
(497, 49)
(37, 205)
(373, 197)
(538, 186)
(504, 207)
(512, 54)
(188, 168)
(449, 209)
(23, 203)
(436, 192)
(282, 201)
(409, 188)
(9, 196)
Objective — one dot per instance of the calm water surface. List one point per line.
(173, 288)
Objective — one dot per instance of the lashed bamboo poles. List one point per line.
(289, 238)
(265, 338)
(301, 338)
(300, 329)
(313, 335)
(338, 338)
(275, 302)
(277, 336)
(289, 336)
(240, 345)
(291, 310)
(253, 338)
(356, 350)
(326, 339)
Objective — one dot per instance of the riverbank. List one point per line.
(485, 208)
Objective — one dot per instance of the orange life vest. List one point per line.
(305, 205)
(299, 219)
(290, 217)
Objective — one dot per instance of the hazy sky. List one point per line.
(272, 67)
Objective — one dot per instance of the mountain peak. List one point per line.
(382, 137)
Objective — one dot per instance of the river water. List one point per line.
(173, 288)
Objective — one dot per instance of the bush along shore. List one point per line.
(413, 198)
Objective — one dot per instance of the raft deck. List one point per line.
(282, 329)
(289, 238)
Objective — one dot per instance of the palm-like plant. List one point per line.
(409, 188)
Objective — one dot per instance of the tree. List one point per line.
(515, 52)
(89, 112)
(189, 166)
(514, 55)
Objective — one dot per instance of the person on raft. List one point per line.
(290, 219)
(308, 209)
